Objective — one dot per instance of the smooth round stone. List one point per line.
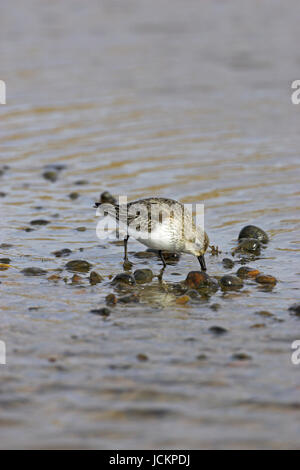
(107, 198)
(251, 231)
(78, 265)
(62, 253)
(266, 279)
(39, 222)
(247, 272)
(142, 276)
(76, 279)
(123, 278)
(95, 278)
(73, 196)
(5, 260)
(196, 279)
(228, 263)
(33, 272)
(249, 245)
(295, 309)
(104, 311)
(50, 176)
(241, 357)
(231, 282)
(218, 330)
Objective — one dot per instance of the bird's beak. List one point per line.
(202, 262)
(97, 204)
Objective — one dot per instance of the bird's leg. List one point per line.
(127, 264)
(201, 260)
(125, 248)
(162, 258)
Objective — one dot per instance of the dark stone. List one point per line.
(81, 229)
(78, 265)
(231, 282)
(50, 176)
(33, 272)
(142, 357)
(251, 231)
(111, 299)
(81, 182)
(241, 357)
(2, 194)
(123, 278)
(215, 307)
(95, 278)
(144, 254)
(228, 263)
(266, 279)
(295, 309)
(197, 279)
(128, 299)
(247, 272)
(74, 196)
(218, 330)
(62, 253)
(39, 222)
(5, 260)
(249, 245)
(142, 276)
(107, 198)
(104, 311)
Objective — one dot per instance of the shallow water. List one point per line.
(148, 98)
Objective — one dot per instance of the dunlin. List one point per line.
(161, 224)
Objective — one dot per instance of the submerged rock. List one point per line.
(111, 299)
(249, 245)
(266, 279)
(218, 330)
(295, 309)
(230, 282)
(78, 265)
(62, 253)
(107, 197)
(142, 357)
(39, 222)
(73, 196)
(247, 272)
(130, 298)
(50, 176)
(123, 278)
(142, 276)
(76, 279)
(5, 260)
(228, 263)
(251, 231)
(182, 300)
(95, 278)
(33, 272)
(104, 311)
(197, 279)
(241, 357)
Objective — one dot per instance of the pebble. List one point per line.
(142, 357)
(81, 229)
(76, 279)
(39, 222)
(123, 278)
(50, 176)
(266, 279)
(182, 300)
(79, 266)
(5, 260)
(142, 276)
(196, 279)
(62, 253)
(228, 263)
(264, 313)
(295, 309)
(108, 198)
(218, 330)
(95, 278)
(111, 299)
(249, 245)
(241, 357)
(2, 194)
(33, 272)
(74, 196)
(247, 272)
(104, 311)
(231, 282)
(251, 231)
(54, 277)
(127, 299)
(215, 307)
